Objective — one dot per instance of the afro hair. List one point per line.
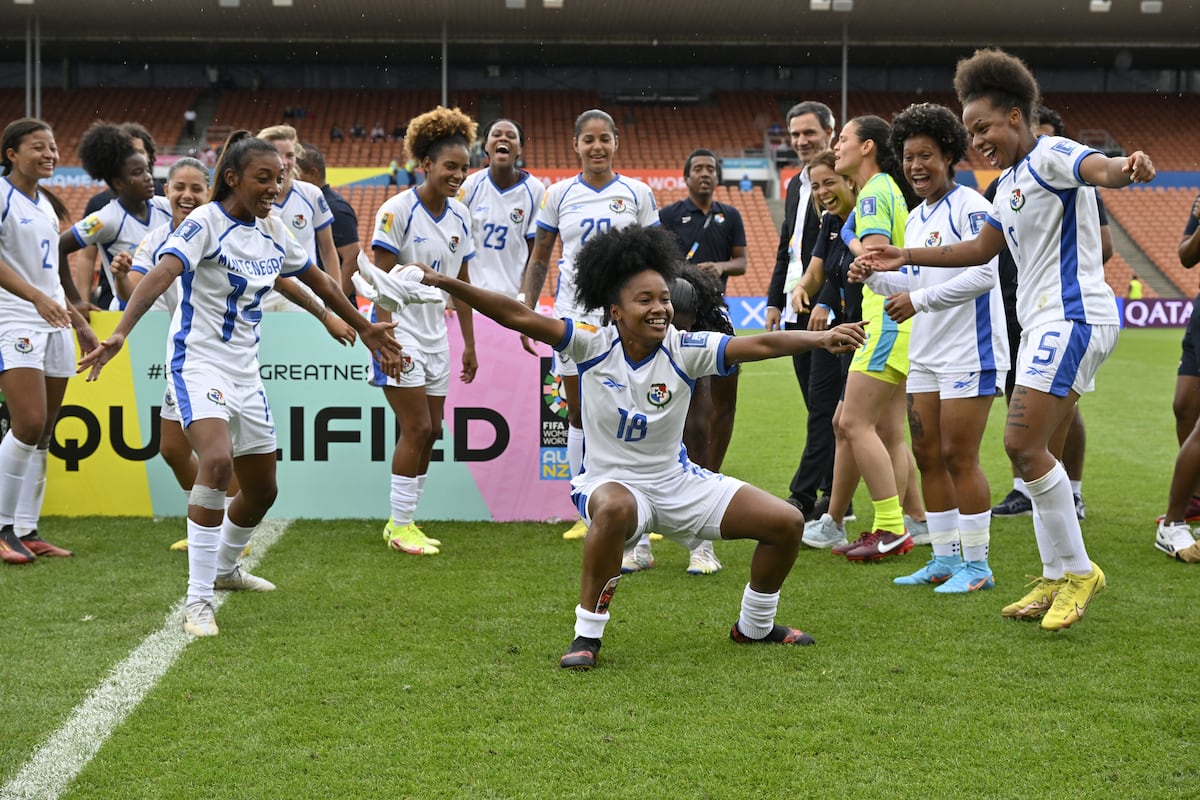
(938, 123)
(104, 149)
(607, 262)
(429, 132)
(1002, 78)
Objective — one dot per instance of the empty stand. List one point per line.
(1154, 218)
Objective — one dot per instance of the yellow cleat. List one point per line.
(1073, 599)
(577, 531)
(180, 546)
(656, 537)
(409, 539)
(1037, 601)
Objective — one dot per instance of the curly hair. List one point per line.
(1048, 116)
(430, 132)
(1002, 78)
(104, 149)
(698, 294)
(938, 123)
(606, 263)
(136, 131)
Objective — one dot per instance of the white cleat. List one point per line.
(240, 580)
(199, 619)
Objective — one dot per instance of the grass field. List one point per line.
(370, 674)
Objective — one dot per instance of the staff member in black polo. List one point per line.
(345, 222)
(810, 126)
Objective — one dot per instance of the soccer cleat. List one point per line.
(199, 619)
(389, 530)
(938, 569)
(845, 547)
(581, 654)
(780, 634)
(703, 560)
(656, 537)
(918, 529)
(1037, 600)
(1174, 537)
(40, 547)
(576, 531)
(180, 546)
(1080, 508)
(823, 533)
(880, 545)
(972, 576)
(1073, 599)
(637, 559)
(1014, 505)
(11, 549)
(240, 580)
(409, 539)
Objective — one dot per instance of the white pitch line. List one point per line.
(59, 761)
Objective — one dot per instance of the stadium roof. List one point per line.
(582, 31)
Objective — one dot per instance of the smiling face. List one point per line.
(256, 187)
(287, 154)
(187, 189)
(136, 183)
(926, 167)
(446, 169)
(995, 131)
(503, 145)
(833, 191)
(807, 136)
(34, 157)
(702, 176)
(643, 310)
(596, 144)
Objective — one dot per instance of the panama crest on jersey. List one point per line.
(933, 239)
(298, 221)
(1016, 201)
(453, 244)
(517, 215)
(659, 395)
(617, 206)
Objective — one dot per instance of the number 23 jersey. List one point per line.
(633, 412)
(228, 265)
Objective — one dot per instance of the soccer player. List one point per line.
(229, 251)
(426, 226)
(636, 375)
(871, 418)
(108, 154)
(594, 201)
(1045, 210)
(958, 351)
(503, 201)
(38, 304)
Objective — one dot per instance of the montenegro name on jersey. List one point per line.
(1049, 219)
(29, 245)
(405, 227)
(228, 266)
(576, 211)
(502, 222)
(970, 336)
(633, 412)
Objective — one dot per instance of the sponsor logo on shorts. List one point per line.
(659, 395)
(299, 221)
(617, 206)
(169, 398)
(91, 225)
(216, 396)
(187, 229)
(517, 216)
(933, 239)
(1016, 201)
(23, 345)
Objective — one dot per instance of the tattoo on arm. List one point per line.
(302, 299)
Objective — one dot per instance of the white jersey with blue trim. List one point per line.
(502, 222)
(405, 227)
(304, 212)
(228, 265)
(575, 211)
(115, 230)
(29, 245)
(145, 258)
(633, 412)
(1049, 220)
(959, 329)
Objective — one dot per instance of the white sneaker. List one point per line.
(637, 559)
(918, 530)
(240, 579)
(704, 560)
(199, 619)
(823, 533)
(1173, 537)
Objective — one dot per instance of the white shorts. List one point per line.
(206, 394)
(51, 352)
(418, 370)
(955, 385)
(169, 410)
(1060, 357)
(686, 507)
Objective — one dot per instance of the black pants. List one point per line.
(826, 378)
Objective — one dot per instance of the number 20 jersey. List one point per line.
(633, 412)
(228, 265)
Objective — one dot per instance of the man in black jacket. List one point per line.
(810, 126)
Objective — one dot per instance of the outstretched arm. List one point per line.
(773, 344)
(377, 336)
(1117, 173)
(970, 253)
(508, 312)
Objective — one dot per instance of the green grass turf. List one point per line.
(372, 674)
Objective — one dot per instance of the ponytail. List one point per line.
(878, 131)
(239, 148)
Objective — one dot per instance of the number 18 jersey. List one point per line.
(228, 265)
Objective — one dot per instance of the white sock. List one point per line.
(202, 561)
(1077, 487)
(1054, 504)
(234, 539)
(405, 495)
(1052, 566)
(589, 623)
(976, 535)
(1019, 485)
(228, 502)
(421, 485)
(33, 492)
(645, 539)
(15, 458)
(758, 613)
(943, 532)
(575, 450)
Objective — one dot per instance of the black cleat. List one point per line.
(581, 654)
(780, 634)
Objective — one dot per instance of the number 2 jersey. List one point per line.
(29, 245)
(228, 265)
(633, 412)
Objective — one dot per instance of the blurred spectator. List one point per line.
(336, 134)
(209, 156)
(357, 131)
(745, 184)
(398, 133)
(1136, 289)
(189, 123)
(378, 134)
